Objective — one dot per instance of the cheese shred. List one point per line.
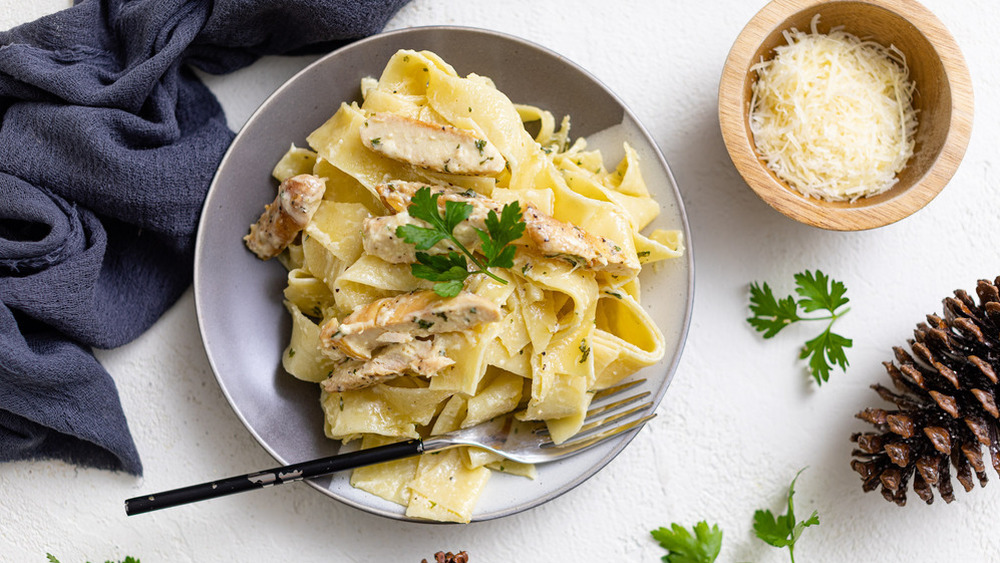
(832, 114)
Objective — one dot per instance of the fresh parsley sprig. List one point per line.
(817, 292)
(784, 530)
(450, 270)
(684, 547)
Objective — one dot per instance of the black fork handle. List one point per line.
(276, 476)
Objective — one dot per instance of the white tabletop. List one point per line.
(740, 418)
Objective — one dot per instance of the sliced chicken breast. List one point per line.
(553, 237)
(396, 195)
(379, 237)
(422, 357)
(403, 318)
(297, 201)
(441, 148)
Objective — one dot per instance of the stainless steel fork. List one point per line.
(527, 442)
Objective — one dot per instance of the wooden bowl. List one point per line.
(943, 101)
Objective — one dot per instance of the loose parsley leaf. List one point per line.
(825, 349)
(817, 292)
(683, 547)
(450, 270)
(770, 314)
(784, 530)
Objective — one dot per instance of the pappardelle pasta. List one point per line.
(398, 353)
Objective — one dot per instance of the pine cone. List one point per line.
(442, 557)
(946, 404)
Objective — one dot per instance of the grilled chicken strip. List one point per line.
(379, 237)
(441, 148)
(543, 233)
(297, 200)
(423, 357)
(553, 237)
(401, 319)
(397, 195)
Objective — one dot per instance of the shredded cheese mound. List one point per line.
(832, 114)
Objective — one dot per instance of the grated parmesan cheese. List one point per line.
(832, 115)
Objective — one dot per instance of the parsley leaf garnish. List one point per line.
(441, 267)
(451, 269)
(500, 233)
(817, 292)
(683, 547)
(784, 530)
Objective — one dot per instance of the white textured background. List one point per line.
(739, 420)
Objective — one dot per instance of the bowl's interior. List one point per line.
(932, 99)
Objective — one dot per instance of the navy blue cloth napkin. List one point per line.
(108, 142)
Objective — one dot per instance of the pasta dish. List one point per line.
(447, 266)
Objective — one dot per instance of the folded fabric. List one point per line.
(108, 142)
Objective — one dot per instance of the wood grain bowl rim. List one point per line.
(733, 119)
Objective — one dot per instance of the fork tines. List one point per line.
(605, 418)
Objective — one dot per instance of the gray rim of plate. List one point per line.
(467, 49)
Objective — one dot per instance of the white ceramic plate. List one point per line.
(244, 325)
